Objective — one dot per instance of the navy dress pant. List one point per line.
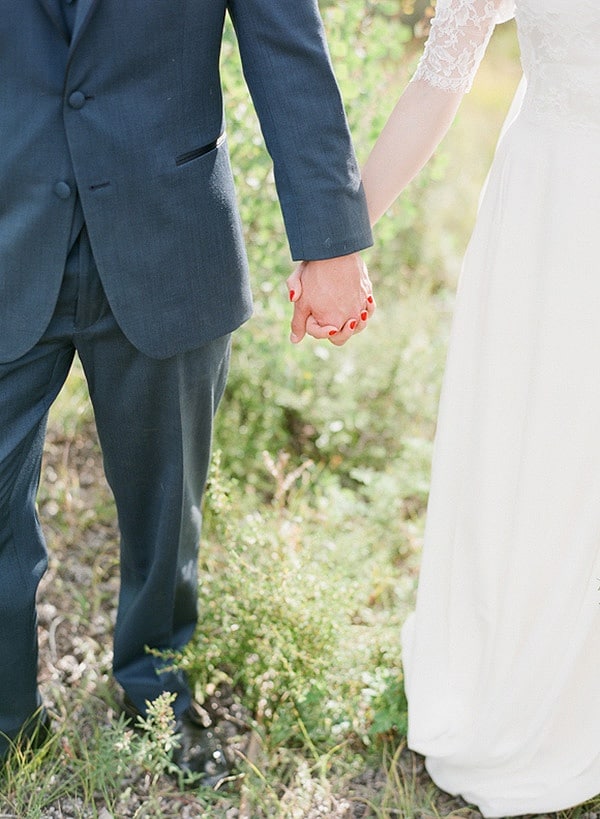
(154, 420)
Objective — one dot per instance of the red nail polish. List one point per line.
(352, 325)
(292, 294)
(332, 332)
(364, 315)
(370, 299)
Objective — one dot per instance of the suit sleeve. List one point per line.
(288, 71)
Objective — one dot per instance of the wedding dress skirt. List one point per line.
(502, 656)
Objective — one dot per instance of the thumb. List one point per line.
(299, 319)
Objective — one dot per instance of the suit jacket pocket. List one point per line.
(188, 156)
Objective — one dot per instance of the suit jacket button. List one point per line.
(62, 190)
(77, 99)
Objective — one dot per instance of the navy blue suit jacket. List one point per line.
(129, 113)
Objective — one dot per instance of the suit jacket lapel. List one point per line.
(85, 9)
(53, 10)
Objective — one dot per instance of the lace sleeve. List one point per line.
(459, 36)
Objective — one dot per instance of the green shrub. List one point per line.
(269, 617)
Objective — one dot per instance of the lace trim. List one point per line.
(459, 36)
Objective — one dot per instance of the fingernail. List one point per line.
(292, 294)
(293, 338)
(364, 315)
(352, 324)
(370, 299)
(332, 332)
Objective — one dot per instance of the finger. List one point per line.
(345, 333)
(362, 323)
(294, 283)
(316, 330)
(370, 305)
(298, 323)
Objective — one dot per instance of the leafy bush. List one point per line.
(284, 622)
(269, 617)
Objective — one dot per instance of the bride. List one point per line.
(502, 656)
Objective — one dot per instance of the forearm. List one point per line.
(289, 74)
(413, 131)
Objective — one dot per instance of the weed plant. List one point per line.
(274, 615)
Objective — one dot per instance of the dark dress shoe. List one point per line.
(199, 750)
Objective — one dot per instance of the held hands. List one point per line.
(332, 299)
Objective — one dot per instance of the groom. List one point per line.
(120, 240)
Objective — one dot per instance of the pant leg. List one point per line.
(154, 420)
(28, 386)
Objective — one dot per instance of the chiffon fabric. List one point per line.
(502, 656)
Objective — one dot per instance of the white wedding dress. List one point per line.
(502, 656)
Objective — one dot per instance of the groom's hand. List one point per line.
(332, 298)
